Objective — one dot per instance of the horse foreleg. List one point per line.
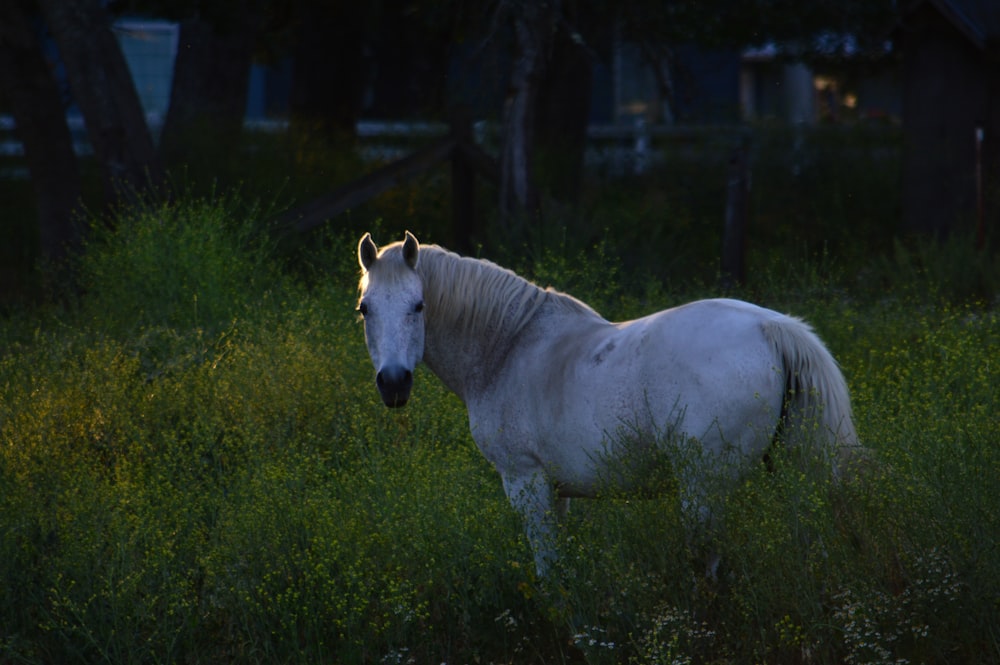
(533, 497)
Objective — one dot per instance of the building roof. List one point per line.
(978, 20)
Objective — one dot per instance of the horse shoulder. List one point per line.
(534, 380)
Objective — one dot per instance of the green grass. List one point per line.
(195, 467)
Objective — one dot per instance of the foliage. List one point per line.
(185, 266)
(195, 467)
(798, 29)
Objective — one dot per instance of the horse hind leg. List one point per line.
(562, 507)
(701, 533)
(700, 524)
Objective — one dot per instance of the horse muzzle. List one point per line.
(394, 384)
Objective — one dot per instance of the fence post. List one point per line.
(980, 200)
(463, 182)
(733, 266)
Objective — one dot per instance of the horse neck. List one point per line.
(470, 336)
(464, 359)
(453, 359)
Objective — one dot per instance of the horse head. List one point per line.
(392, 305)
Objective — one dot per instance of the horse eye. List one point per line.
(419, 307)
(363, 309)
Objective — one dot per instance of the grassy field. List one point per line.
(195, 468)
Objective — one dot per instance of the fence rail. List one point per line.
(627, 148)
(614, 149)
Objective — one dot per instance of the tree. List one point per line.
(208, 96)
(555, 44)
(102, 87)
(41, 126)
(797, 29)
(579, 37)
(329, 70)
(532, 25)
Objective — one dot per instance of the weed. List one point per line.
(194, 466)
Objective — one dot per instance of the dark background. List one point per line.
(835, 103)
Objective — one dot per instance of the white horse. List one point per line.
(548, 382)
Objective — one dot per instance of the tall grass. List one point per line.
(195, 467)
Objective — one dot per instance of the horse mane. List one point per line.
(480, 297)
(474, 295)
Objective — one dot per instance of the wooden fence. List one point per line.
(629, 148)
(468, 161)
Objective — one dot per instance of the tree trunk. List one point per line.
(532, 31)
(564, 107)
(40, 118)
(102, 87)
(329, 70)
(734, 235)
(208, 96)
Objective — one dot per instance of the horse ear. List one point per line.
(411, 249)
(367, 252)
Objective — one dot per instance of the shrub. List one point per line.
(223, 484)
(196, 264)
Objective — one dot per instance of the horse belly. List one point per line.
(723, 388)
(686, 381)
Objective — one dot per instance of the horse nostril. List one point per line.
(394, 376)
(394, 384)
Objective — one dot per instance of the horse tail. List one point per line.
(817, 404)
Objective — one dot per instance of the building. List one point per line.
(951, 114)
